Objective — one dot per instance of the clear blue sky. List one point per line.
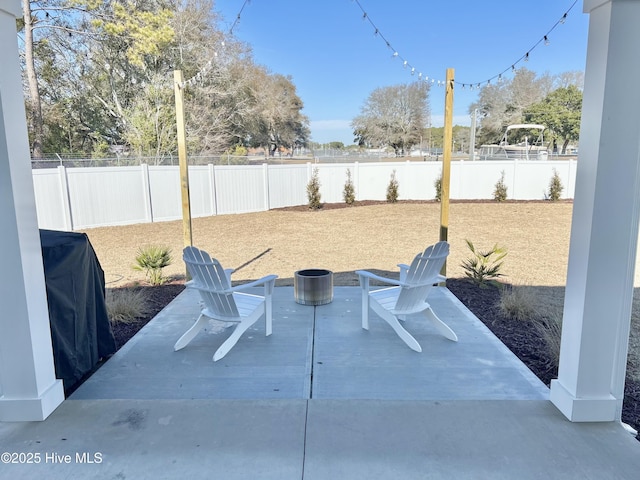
(336, 60)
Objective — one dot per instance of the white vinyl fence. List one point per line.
(79, 198)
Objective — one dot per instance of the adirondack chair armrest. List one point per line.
(404, 269)
(228, 272)
(255, 283)
(191, 284)
(373, 276)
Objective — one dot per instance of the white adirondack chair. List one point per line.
(408, 295)
(223, 302)
(435, 250)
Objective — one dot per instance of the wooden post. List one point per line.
(446, 160)
(182, 157)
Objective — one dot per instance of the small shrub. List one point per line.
(500, 190)
(151, 260)
(349, 191)
(392, 189)
(555, 187)
(484, 267)
(313, 191)
(438, 185)
(125, 305)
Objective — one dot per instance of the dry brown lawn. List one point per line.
(536, 235)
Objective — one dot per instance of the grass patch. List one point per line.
(125, 305)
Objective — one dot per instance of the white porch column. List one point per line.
(604, 231)
(28, 386)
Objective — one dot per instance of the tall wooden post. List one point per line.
(182, 157)
(446, 159)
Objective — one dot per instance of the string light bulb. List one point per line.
(546, 40)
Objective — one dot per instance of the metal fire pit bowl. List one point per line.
(313, 286)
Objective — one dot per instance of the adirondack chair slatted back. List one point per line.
(211, 280)
(422, 275)
(435, 255)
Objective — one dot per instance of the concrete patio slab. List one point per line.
(497, 440)
(168, 439)
(352, 363)
(315, 352)
(258, 367)
(321, 398)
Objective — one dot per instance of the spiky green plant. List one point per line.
(151, 260)
(438, 186)
(483, 268)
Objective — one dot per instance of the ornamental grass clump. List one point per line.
(483, 268)
(518, 302)
(125, 305)
(151, 260)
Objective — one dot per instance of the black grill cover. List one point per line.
(80, 329)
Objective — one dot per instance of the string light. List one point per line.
(209, 65)
(498, 76)
(405, 62)
(395, 54)
(544, 40)
(237, 21)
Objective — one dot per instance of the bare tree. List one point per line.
(393, 116)
(504, 103)
(278, 120)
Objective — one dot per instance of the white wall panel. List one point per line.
(287, 185)
(240, 188)
(50, 201)
(164, 188)
(105, 196)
